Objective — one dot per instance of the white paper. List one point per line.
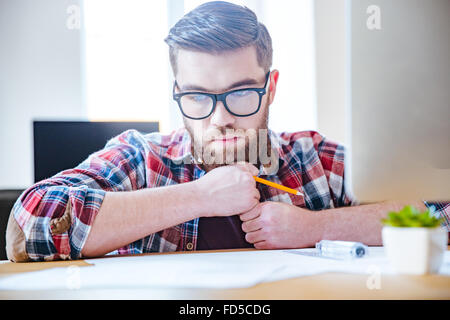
(218, 270)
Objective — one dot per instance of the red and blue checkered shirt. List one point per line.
(307, 161)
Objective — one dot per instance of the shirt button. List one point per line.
(189, 246)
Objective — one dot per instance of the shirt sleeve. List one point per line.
(440, 210)
(54, 216)
(332, 156)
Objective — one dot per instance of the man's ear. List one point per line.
(273, 84)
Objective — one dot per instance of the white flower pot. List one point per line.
(415, 250)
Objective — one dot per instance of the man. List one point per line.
(191, 190)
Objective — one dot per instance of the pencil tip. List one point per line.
(299, 193)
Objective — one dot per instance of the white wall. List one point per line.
(331, 55)
(40, 77)
(291, 26)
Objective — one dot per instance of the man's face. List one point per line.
(209, 73)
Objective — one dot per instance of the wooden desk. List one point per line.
(322, 286)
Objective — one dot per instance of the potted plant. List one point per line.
(414, 241)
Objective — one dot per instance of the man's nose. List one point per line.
(221, 117)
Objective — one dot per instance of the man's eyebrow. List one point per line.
(241, 83)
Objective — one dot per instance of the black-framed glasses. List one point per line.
(240, 102)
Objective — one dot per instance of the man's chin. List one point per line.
(217, 154)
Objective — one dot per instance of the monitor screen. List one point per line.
(61, 145)
(400, 100)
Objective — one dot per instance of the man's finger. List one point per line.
(251, 225)
(261, 245)
(251, 214)
(255, 236)
(248, 167)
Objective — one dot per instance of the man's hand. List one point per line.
(228, 190)
(277, 225)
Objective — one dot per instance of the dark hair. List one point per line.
(218, 26)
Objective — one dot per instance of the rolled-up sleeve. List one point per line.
(440, 210)
(332, 156)
(51, 220)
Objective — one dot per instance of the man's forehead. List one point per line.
(218, 72)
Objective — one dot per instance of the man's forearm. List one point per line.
(359, 223)
(125, 217)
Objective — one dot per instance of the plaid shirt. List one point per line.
(131, 161)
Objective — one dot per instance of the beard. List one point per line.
(250, 145)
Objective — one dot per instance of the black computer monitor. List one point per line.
(61, 145)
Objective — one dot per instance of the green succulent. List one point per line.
(409, 216)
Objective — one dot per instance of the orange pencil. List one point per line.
(278, 186)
